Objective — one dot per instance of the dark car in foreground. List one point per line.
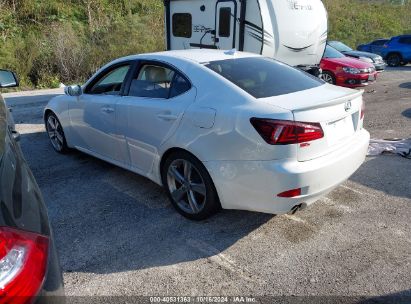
(29, 267)
(374, 59)
(375, 46)
(397, 51)
(346, 71)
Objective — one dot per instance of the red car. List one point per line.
(346, 71)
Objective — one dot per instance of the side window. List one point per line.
(152, 81)
(179, 86)
(378, 42)
(111, 82)
(405, 40)
(182, 25)
(224, 24)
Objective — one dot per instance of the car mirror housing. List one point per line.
(74, 90)
(8, 79)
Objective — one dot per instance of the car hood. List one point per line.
(349, 62)
(361, 54)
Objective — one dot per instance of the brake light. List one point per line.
(23, 263)
(290, 193)
(362, 110)
(286, 132)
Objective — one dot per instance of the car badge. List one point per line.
(347, 106)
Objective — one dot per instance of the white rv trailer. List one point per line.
(292, 31)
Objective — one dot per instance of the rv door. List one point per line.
(225, 24)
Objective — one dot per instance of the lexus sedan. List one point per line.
(29, 267)
(216, 128)
(374, 59)
(346, 71)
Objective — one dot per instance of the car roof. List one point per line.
(194, 55)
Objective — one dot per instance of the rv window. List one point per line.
(264, 77)
(182, 25)
(225, 22)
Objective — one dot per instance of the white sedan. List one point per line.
(216, 129)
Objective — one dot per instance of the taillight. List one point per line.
(362, 110)
(23, 263)
(286, 132)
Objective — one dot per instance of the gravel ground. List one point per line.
(118, 235)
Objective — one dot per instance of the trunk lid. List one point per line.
(336, 109)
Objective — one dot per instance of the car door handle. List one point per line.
(107, 110)
(167, 116)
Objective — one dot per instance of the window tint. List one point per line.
(405, 40)
(339, 46)
(182, 25)
(152, 81)
(264, 77)
(332, 53)
(225, 22)
(379, 42)
(111, 82)
(179, 86)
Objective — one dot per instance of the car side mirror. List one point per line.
(8, 79)
(74, 90)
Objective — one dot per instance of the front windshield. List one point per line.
(340, 46)
(332, 53)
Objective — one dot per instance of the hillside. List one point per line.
(51, 41)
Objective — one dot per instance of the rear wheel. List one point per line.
(189, 186)
(394, 60)
(328, 77)
(56, 133)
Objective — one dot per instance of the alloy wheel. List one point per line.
(327, 78)
(55, 133)
(186, 186)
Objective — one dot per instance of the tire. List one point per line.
(328, 77)
(394, 60)
(56, 134)
(189, 186)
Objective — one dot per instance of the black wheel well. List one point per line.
(394, 53)
(168, 153)
(46, 113)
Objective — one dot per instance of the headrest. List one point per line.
(156, 74)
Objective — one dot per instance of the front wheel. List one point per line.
(189, 186)
(56, 133)
(328, 77)
(394, 60)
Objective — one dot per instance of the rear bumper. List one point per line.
(254, 185)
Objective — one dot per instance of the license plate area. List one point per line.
(340, 129)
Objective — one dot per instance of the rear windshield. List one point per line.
(264, 77)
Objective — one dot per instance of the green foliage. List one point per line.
(51, 41)
(355, 22)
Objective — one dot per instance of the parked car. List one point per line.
(375, 46)
(216, 128)
(374, 59)
(397, 51)
(29, 267)
(346, 71)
